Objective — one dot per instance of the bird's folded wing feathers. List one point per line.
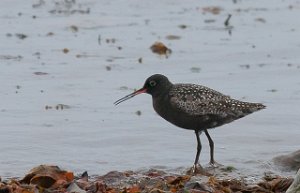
(198, 100)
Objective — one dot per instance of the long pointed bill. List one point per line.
(140, 91)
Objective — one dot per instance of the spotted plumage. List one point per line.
(193, 107)
(197, 100)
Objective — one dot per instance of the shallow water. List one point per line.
(258, 62)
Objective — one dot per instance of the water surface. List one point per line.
(255, 59)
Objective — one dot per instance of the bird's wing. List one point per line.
(198, 100)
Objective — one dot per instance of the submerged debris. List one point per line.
(272, 90)
(140, 60)
(182, 26)
(40, 73)
(195, 69)
(215, 10)
(50, 34)
(10, 57)
(160, 48)
(69, 7)
(245, 66)
(58, 107)
(209, 20)
(21, 36)
(173, 37)
(74, 28)
(226, 23)
(110, 40)
(260, 19)
(108, 68)
(139, 113)
(65, 50)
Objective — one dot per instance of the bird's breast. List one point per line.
(175, 116)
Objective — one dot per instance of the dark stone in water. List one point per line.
(289, 162)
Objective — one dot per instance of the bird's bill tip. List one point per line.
(140, 91)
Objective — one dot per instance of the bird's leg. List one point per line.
(211, 145)
(199, 147)
(212, 161)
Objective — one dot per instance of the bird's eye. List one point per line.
(152, 83)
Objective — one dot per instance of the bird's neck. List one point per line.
(160, 99)
(161, 93)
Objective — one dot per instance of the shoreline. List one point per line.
(53, 179)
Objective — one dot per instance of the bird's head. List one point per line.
(154, 85)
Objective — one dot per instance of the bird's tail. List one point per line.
(245, 108)
(256, 106)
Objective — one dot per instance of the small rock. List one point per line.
(228, 169)
(73, 187)
(112, 177)
(295, 186)
(43, 181)
(197, 186)
(288, 162)
(85, 176)
(4, 190)
(156, 190)
(46, 174)
(154, 173)
(83, 181)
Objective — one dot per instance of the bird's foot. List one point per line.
(197, 169)
(214, 164)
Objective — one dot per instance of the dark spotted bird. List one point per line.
(193, 107)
